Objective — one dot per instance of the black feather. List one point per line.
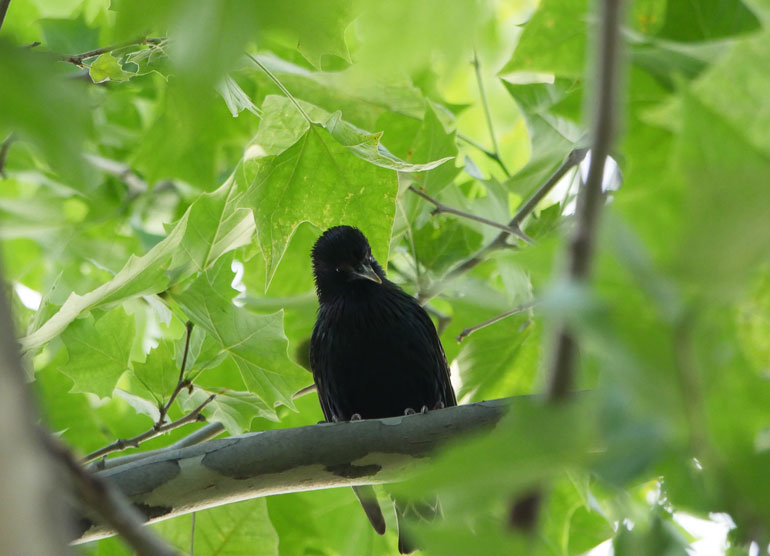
(374, 350)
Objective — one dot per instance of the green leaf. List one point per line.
(256, 343)
(706, 20)
(160, 372)
(98, 351)
(69, 36)
(553, 41)
(726, 221)
(140, 276)
(318, 180)
(107, 68)
(367, 147)
(314, 28)
(433, 143)
(212, 226)
(236, 99)
(231, 530)
(48, 110)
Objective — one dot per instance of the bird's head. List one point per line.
(342, 258)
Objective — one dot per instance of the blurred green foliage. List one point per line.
(170, 179)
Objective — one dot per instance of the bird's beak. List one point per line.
(367, 272)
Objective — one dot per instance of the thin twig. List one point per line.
(134, 442)
(562, 369)
(573, 159)
(4, 148)
(109, 503)
(204, 433)
(283, 89)
(470, 330)
(182, 383)
(192, 534)
(78, 59)
(488, 113)
(442, 208)
(442, 318)
(3, 10)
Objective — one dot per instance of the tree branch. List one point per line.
(201, 435)
(109, 503)
(181, 383)
(441, 207)
(470, 330)
(480, 147)
(134, 442)
(574, 158)
(78, 59)
(562, 372)
(176, 482)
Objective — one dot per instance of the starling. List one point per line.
(374, 351)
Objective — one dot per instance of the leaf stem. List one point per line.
(283, 89)
(488, 113)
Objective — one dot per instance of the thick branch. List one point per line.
(109, 503)
(176, 482)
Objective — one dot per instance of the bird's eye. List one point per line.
(338, 269)
(371, 258)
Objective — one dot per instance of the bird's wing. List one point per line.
(317, 365)
(438, 358)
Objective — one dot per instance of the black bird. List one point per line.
(374, 351)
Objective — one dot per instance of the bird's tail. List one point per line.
(415, 511)
(368, 499)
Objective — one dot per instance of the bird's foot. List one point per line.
(409, 411)
(335, 419)
(356, 417)
(439, 405)
(424, 409)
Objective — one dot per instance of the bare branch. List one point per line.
(562, 372)
(78, 59)
(182, 383)
(468, 331)
(123, 444)
(441, 207)
(109, 504)
(201, 435)
(573, 159)
(176, 482)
